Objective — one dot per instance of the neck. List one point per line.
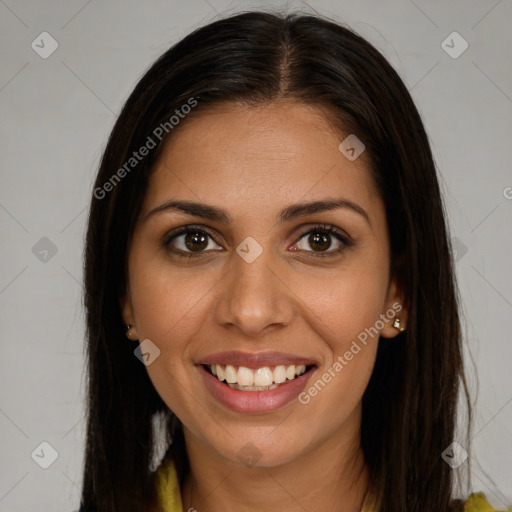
(322, 478)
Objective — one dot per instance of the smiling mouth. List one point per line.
(258, 379)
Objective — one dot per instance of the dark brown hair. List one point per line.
(410, 405)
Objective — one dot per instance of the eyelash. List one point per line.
(319, 228)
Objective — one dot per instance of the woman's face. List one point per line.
(258, 287)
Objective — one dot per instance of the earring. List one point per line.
(129, 333)
(396, 325)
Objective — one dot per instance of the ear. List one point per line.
(395, 307)
(126, 309)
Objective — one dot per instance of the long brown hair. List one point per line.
(410, 405)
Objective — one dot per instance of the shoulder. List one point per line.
(477, 502)
(168, 487)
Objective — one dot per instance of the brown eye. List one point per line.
(189, 242)
(320, 239)
(196, 241)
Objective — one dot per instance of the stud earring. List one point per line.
(129, 333)
(397, 325)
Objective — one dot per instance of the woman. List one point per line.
(268, 271)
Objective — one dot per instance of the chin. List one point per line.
(262, 449)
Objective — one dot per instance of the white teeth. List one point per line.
(220, 372)
(245, 376)
(252, 388)
(230, 374)
(261, 379)
(279, 374)
(299, 370)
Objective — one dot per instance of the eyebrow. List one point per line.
(289, 213)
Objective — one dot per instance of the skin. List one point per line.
(253, 162)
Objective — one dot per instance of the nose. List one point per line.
(254, 297)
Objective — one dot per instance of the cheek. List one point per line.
(168, 312)
(167, 302)
(168, 306)
(345, 312)
(349, 349)
(343, 305)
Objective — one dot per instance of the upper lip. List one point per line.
(255, 359)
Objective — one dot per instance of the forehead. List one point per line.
(257, 159)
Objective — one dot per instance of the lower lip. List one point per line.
(254, 401)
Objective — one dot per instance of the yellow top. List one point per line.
(169, 497)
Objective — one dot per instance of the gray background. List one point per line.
(55, 116)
